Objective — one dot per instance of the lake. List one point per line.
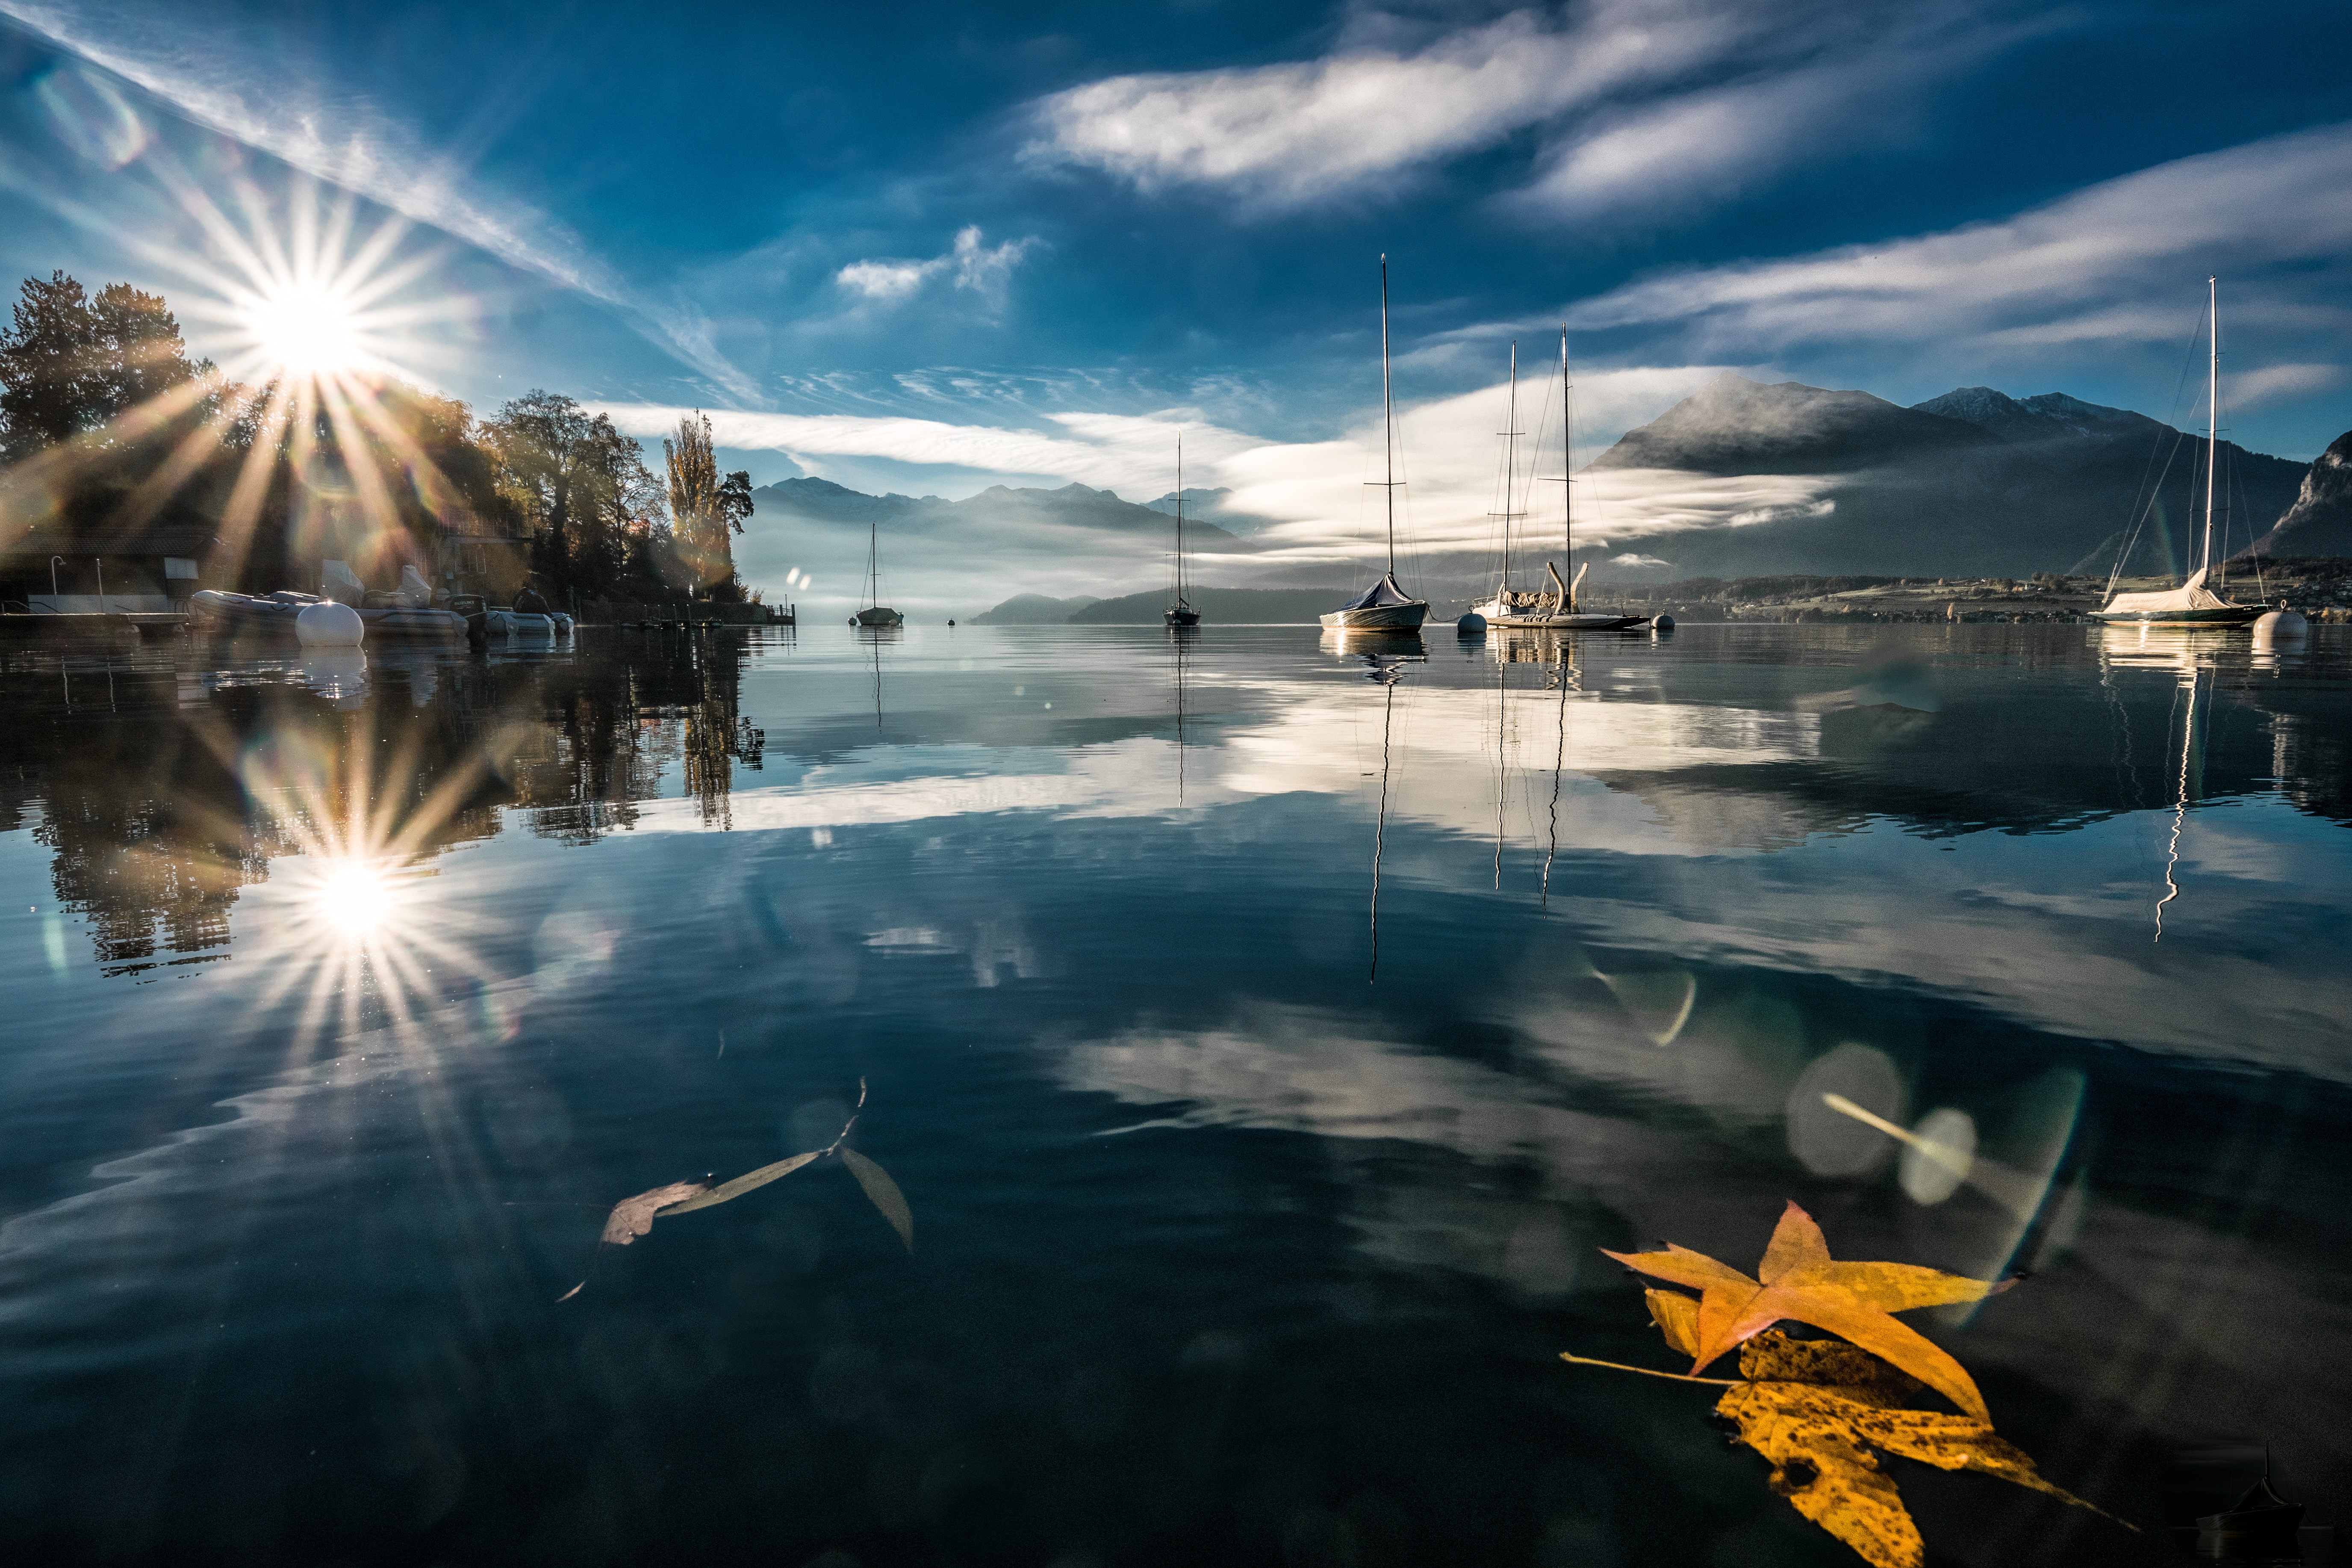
(1263, 1034)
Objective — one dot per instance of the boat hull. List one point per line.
(218, 611)
(880, 615)
(1380, 618)
(1181, 618)
(2224, 618)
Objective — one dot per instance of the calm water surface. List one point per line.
(1264, 1033)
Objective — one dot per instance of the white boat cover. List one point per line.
(341, 583)
(415, 592)
(1380, 596)
(2190, 595)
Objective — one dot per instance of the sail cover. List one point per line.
(2190, 595)
(1380, 596)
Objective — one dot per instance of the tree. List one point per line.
(579, 484)
(72, 366)
(706, 510)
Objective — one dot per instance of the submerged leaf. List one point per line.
(632, 1218)
(740, 1185)
(1773, 1357)
(884, 1192)
(1676, 1315)
(1823, 1472)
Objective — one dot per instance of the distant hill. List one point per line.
(996, 509)
(2320, 521)
(1971, 483)
(1032, 610)
(1226, 606)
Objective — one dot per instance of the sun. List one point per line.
(306, 329)
(352, 896)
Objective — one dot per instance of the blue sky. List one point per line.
(929, 247)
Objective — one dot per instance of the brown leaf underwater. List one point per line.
(1821, 1411)
(632, 1217)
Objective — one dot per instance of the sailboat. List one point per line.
(1555, 608)
(1383, 607)
(2192, 604)
(1181, 613)
(875, 614)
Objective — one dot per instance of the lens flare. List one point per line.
(305, 329)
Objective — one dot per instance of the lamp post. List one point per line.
(102, 583)
(53, 574)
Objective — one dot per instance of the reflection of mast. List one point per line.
(2180, 806)
(876, 638)
(1179, 642)
(1559, 758)
(1502, 759)
(1380, 828)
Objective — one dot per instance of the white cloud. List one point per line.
(1316, 491)
(983, 268)
(2275, 382)
(1632, 90)
(2048, 275)
(1294, 133)
(351, 144)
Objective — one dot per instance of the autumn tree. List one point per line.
(706, 510)
(72, 366)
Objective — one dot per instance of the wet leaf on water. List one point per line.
(1676, 1315)
(740, 1185)
(1773, 1357)
(632, 1217)
(884, 1192)
(1800, 1282)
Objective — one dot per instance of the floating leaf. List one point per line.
(632, 1218)
(884, 1192)
(1773, 1357)
(1676, 1315)
(1800, 1282)
(740, 1185)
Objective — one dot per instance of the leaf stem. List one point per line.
(1652, 1372)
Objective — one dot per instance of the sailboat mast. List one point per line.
(2212, 411)
(1510, 459)
(1387, 412)
(1180, 517)
(1566, 467)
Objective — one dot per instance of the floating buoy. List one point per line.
(2280, 625)
(329, 624)
(1470, 624)
(1663, 623)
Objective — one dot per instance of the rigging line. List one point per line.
(2144, 500)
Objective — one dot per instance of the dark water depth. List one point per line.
(1265, 1033)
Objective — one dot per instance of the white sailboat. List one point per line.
(1556, 608)
(1384, 606)
(2192, 604)
(875, 614)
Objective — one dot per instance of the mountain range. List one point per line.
(1973, 483)
(996, 510)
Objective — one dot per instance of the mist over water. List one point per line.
(347, 998)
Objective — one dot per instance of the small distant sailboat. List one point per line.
(1181, 613)
(875, 614)
(1383, 607)
(2192, 604)
(1556, 608)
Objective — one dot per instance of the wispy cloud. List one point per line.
(349, 144)
(1645, 102)
(984, 270)
(2048, 275)
(2274, 382)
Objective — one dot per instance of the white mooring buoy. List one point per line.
(329, 624)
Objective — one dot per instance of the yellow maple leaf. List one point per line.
(1797, 1281)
